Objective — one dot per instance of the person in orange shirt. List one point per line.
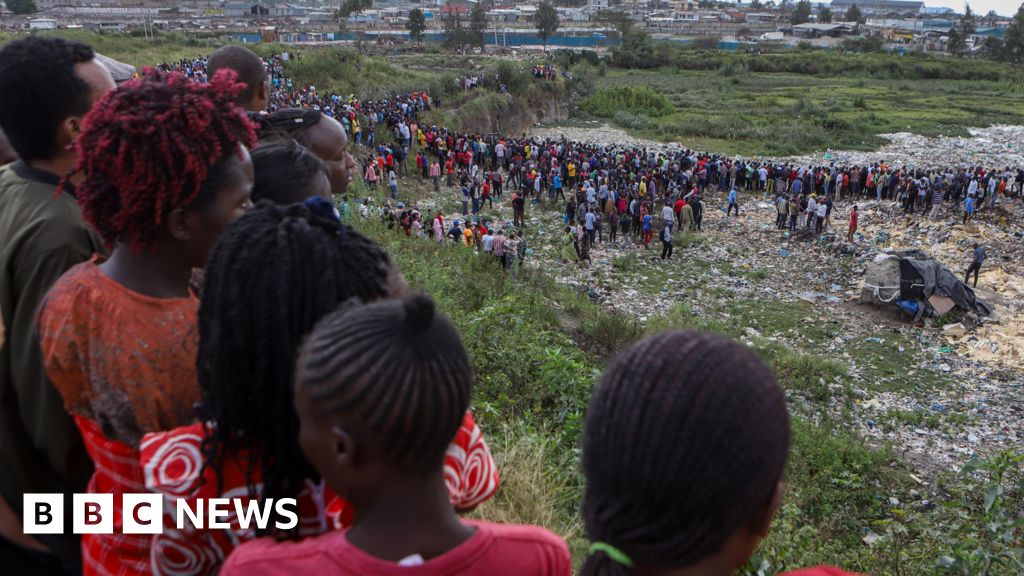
(119, 336)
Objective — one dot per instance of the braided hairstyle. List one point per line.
(286, 172)
(685, 440)
(154, 145)
(271, 276)
(398, 369)
(287, 123)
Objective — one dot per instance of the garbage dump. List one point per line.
(918, 284)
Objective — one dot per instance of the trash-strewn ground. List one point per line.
(937, 398)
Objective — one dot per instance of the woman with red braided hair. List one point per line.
(165, 167)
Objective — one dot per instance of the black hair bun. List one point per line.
(419, 311)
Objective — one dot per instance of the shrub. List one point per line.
(637, 99)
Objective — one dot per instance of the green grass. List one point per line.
(782, 113)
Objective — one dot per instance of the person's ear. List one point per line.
(343, 448)
(179, 224)
(68, 131)
(262, 91)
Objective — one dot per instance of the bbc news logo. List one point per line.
(144, 514)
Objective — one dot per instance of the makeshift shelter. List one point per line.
(912, 278)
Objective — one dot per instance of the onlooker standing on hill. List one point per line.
(47, 85)
(250, 70)
(435, 175)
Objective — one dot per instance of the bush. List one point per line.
(632, 120)
(636, 99)
(513, 76)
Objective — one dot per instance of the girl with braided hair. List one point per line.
(380, 391)
(683, 460)
(271, 277)
(322, 135)
(165, 167)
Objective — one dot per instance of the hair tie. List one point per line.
(618, 556)
(323, 209)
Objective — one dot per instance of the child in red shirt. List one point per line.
(853, 225)
(380, 392)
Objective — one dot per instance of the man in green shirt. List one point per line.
(47, 85)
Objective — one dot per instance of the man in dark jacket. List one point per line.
(47, 85)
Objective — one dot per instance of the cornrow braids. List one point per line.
(686, 439)
(154, 145)
(396, 367)
(272, 274)
(286, 172)
(287, 123)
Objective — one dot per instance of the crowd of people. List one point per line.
(188, 313)
(616, 193)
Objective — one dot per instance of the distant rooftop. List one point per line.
(881, 5)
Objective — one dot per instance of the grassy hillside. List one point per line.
(797, 102)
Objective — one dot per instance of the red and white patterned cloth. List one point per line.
(172, 465)
(117, 472)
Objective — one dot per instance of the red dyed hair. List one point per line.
(148, 147)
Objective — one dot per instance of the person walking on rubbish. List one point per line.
(979, 259)
(732, 202)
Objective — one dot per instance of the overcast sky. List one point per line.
(1004, 7)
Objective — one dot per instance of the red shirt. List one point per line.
(853, 219)
(494, 549)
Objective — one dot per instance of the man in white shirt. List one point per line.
(668, 217)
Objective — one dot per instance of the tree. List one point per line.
(1013, 43)
(825, 15)
(802, 12)
(617, 18)
(547, 21)
(21, 6)
(477, 25)
(755, 5)
(454, 33)
(994, 48)
(968, 22)
(417, 24)
(349, 7)
(853, 14)
(957, 45)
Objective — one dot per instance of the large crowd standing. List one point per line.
(298, 364)
(609, 193)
